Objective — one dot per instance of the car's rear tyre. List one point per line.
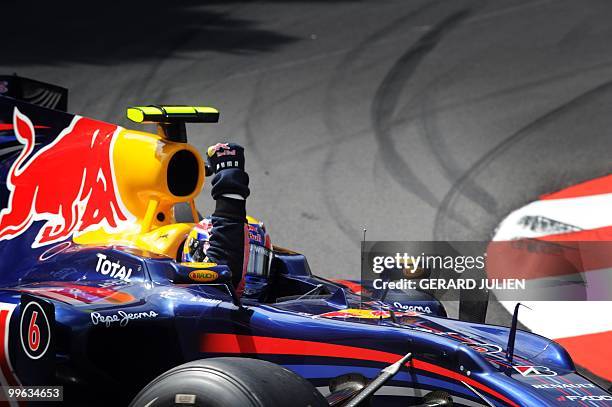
(221, 382)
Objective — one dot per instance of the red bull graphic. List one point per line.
(219, 147)
(364, 313)
(69, 184)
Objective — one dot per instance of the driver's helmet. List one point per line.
(197, 243)
(260, 246)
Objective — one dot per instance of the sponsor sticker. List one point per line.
(414, 308)
(564, 386)
(203, 276)
(120, 318)
(544, 225)
(528, 371)
(112, 269)
(601, 397)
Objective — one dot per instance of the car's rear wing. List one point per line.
(35, 92)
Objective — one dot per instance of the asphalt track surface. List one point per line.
(415, 119)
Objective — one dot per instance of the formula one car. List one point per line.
(94, 298)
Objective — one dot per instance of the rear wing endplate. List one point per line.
(35, 92)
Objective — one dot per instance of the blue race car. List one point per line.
(94, 296)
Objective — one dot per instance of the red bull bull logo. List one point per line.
(219, 147)
(68, 184)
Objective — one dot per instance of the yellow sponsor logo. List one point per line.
(203, 276)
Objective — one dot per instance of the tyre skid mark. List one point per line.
(387, 97)
(486, 159)
(336, 131)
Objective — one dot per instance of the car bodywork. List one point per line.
(114, 308)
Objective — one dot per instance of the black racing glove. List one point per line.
(223, 156)
(226, 161)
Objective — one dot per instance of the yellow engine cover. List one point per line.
(151, 176)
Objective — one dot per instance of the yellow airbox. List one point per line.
(154, 172)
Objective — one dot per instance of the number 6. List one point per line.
(33, 333)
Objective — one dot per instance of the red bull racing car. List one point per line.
(95, 298)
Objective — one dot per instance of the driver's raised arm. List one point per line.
(225, 235)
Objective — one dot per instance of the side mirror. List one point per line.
(202, 273)
(206, 273)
